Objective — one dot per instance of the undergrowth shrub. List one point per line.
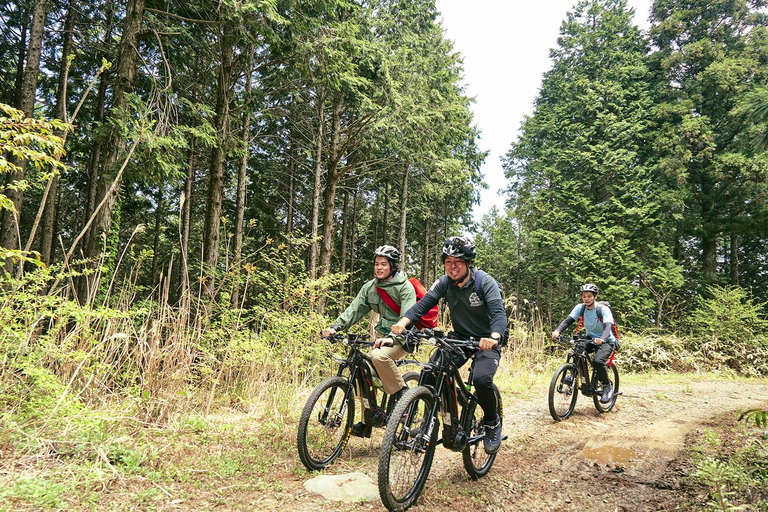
(729, 331)
(641, 353)
(733, 468)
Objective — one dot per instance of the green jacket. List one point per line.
(368, 299)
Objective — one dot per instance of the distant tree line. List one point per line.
(206, 130)
(643, 165)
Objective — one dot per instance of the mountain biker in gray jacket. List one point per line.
(470, 317)
(388, 277)
(598, 330)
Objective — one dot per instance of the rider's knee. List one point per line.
(378, 356)
(484, 381)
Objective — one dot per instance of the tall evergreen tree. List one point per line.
(711, 56)
(581, 188)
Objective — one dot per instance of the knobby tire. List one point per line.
(562, 394)
(325, 423)
(601, 407)
(407, 449)
(477, 463)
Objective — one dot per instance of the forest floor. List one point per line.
(635, 458)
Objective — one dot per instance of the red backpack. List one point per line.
(428, 321)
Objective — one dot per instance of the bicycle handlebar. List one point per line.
(573, 339)
(349, 339)
(438, 338)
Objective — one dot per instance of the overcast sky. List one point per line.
(505, 44)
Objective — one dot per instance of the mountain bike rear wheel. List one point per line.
(613, 371)
(563, 391)
(407, 449)
(476, 461)
(325, 423)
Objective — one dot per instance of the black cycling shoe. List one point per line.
(492, 439)
(395, 397)
(607, 393)
(360, 429)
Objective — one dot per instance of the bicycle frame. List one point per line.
(583, 361)
(573, 377)
(361, 378)
(451, 395)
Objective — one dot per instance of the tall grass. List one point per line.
(62, 363)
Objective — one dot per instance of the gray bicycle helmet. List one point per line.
(391, 253)
(461, 247)
(590, 288)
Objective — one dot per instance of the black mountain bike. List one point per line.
(412, 430)
(326, 420)
(574, 376)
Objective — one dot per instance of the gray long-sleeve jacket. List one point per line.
(469, 315)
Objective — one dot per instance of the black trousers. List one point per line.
(600, 359)
(486, 364)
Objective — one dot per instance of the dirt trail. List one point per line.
(622, 460)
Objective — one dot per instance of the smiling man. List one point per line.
(477, 315)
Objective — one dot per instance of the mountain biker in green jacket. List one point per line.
(389, 278)
(598, 325)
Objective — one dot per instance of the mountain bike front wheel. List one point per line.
(325, 423)
(407, 449)
(563, 391)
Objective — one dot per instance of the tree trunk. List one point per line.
(242, 176)
(109, 177)
(709, 258)
(101, 99)
(329, 193)
(734, 259)
(344, 233)
(317, 188)
(425, 251)
(375, 218)
(289, 228)
(186, 214)
(50, 212)
(10, 225)
(385, 216)
(403, 215)
(156, 237)
(333, 176)
(218, 162)
(19, 79)
(353, 241)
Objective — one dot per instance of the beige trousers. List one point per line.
(384, 360)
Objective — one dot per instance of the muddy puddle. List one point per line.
(610, 455)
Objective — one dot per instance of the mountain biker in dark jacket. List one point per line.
(386, 268)
(599, 331)
(470, 317)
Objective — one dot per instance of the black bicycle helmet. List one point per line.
(590, 288)
(461, 247)
(391, 253)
